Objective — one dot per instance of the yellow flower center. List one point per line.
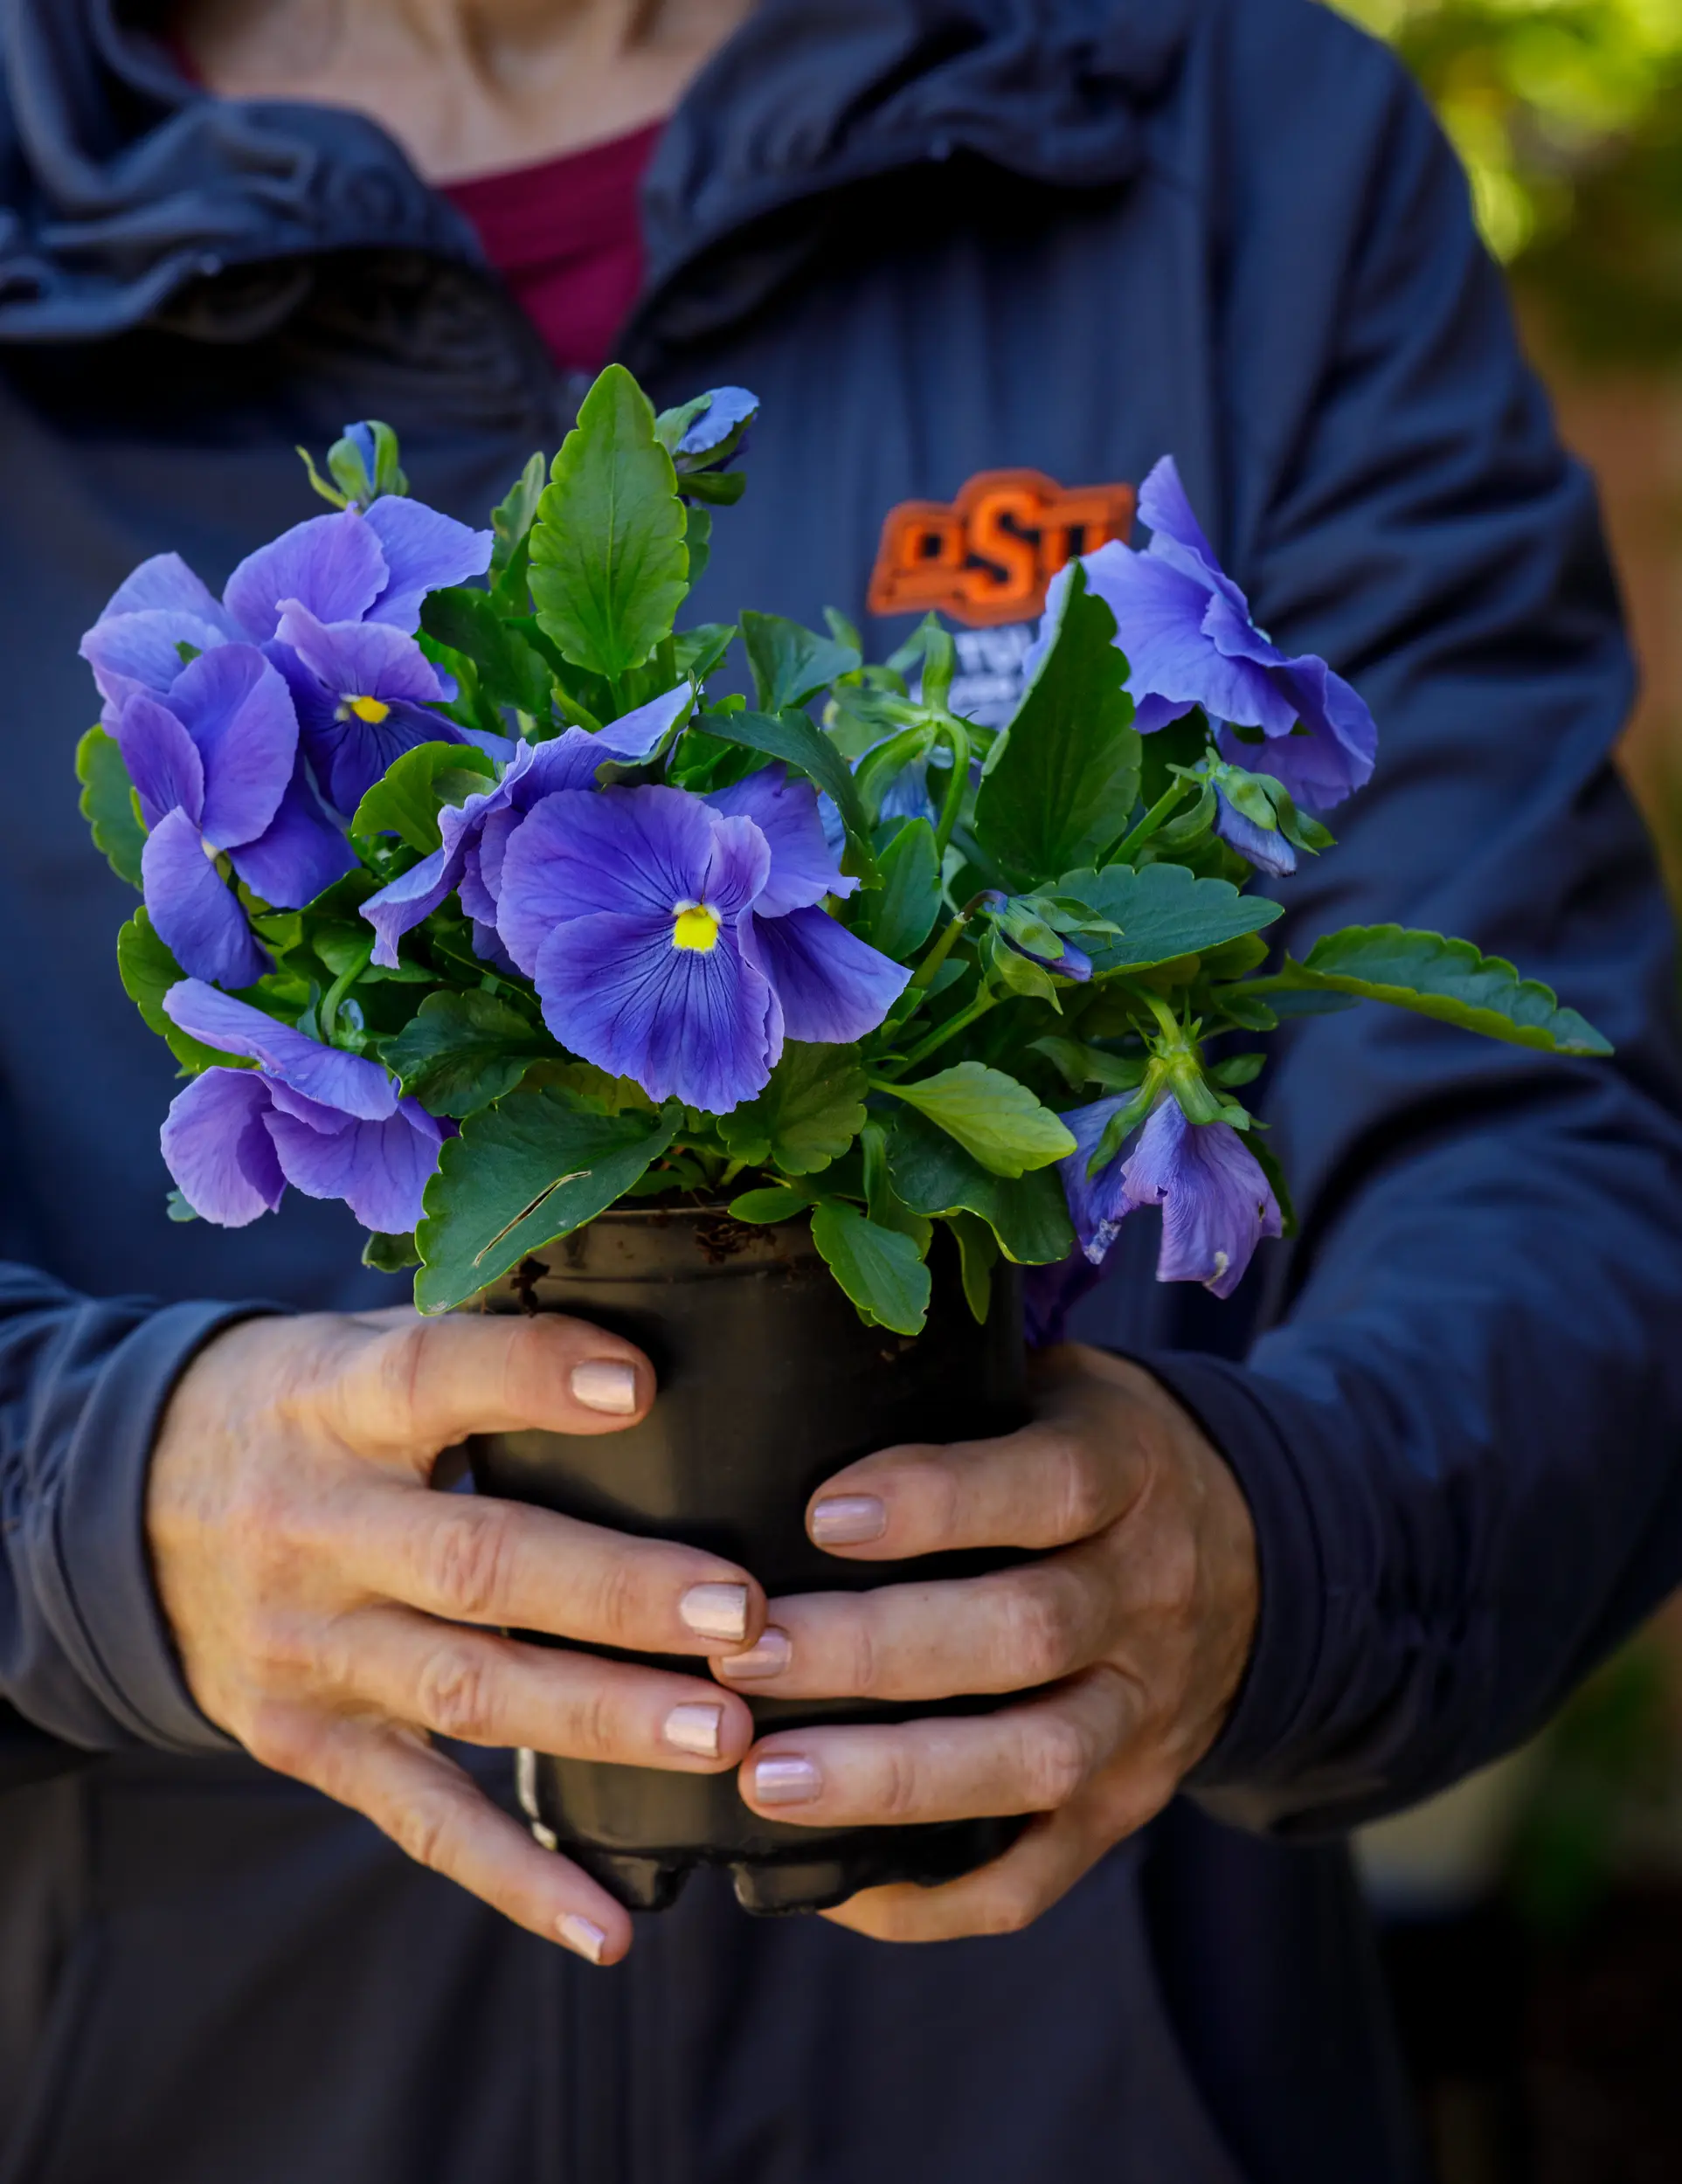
(373, 710)
(696, 927)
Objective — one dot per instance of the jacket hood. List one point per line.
(121, 184)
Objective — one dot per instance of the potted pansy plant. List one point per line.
(717, 985)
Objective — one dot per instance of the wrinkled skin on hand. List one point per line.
(334, 1613)
(1130, 1632)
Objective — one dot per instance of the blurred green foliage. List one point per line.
(1568, 116)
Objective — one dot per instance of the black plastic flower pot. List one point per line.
(768, 1384)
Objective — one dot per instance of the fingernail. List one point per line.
(769, 1657)
(785, 1781)
(606, 1384)
(695, 1729)
(715, 1611)
(581, 1934)
(848, 1520)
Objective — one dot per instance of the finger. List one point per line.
(433, 1811)
(1007, 1632)
(400, 1388)
(1031, 1757)
(483, 1689)
(1078, 1468)
(471, 1559)
(1041, 1867)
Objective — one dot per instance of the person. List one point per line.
(1291, 1561)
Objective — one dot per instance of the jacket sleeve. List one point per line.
(85, 1657)
(1460, 1429)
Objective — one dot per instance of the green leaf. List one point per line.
(993, 1117)
(899, 915)
(514, 517)
(148, 971)
(405, 802)
(1028, 1214)
(770, 1205)
(108, 804)
(697, 537)
(791, 664)
(1164, 912)
(1446, 979)
(882, 1202)
(609, 565)
(461, 1051)
(977, 1250)
(807, 1116)
(520, 1174)
(793, 738)
(1268, 1161)
(510, 672)
(1063, 782)
(390, 1254)
(1083, 1065)
(699, 650)
(177, 1209)
(881, 1270)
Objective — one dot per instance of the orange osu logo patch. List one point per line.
(988, 556)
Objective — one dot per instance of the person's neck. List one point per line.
(466, 86)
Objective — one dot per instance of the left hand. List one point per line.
(1137, 1617)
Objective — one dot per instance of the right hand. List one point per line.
(334, 1613)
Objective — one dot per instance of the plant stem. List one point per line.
(729, 1174)
(958, 742)
(339, 988)
(950, 1029)
(1175, 793)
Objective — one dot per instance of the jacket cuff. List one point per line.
(1268, 1449)
(107, 1616)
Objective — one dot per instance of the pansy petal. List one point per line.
(302, 851)
(686, 1024)
(1333, 749)
(424, 551)
(638, 734)
(832, 987)
(142, 651)
(727, 408)
(628, 852)
(364, 659)
(216, 1146)
(401, 905)
(329, 1121)
(348, 756)
(1098, 1204)
(350, 1082)
(194, 912)
(166, 585)
(738, 868)
(1267, 851)
(332, 564)
(1216, 1203)
(239, 712)
(380, 1170)
(784, 808)
(1177, 537)
(163, 760)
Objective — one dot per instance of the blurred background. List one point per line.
(1533, 1918)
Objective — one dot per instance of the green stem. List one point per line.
(958, 742)
(729, 1175)
(950, 1029)
(339, 988)
(1175, 793)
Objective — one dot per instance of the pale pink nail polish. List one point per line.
(715, 1611)
(848, 1520)
(785, 1781)
(769, 1657)
(583, 1935)
(607, 1384)
(695, 1729)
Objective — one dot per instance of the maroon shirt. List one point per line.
(566, 237)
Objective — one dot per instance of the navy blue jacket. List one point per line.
(938, 237)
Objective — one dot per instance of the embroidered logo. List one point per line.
(987, 557)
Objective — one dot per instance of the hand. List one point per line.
(332, 1612)
(1139, 1621)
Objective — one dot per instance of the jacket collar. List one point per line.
(120, 185)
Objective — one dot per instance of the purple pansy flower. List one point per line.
(362, 691)
(637, 913)
(1186, 631)
(214, 764)
(475, 833)
(1266, 848)
(329, 1123)
(1216, 1203)
(727, 409)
